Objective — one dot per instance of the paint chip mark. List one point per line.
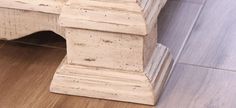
(107, 41)
(21, 2)
(80, 44)
(43, 5)
(90, 59)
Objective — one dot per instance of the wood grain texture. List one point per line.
(46, 6)
(102, 83)
(25, 75)
(110, 50)
(18, 23)
(151, 10)
(197, 87)
(149, 45)
(213, 39)
(110, 16)
(104, 49)
(159, 69)
(175, 23)
(108, 83)
(124, 16)
(104, 37)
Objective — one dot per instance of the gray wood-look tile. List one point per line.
(213, 39)
(192, 1)
(198, 87)
(174, 23)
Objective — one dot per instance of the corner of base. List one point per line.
(136, 87)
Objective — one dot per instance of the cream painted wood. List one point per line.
(17, 23)
(122, 85)
(111, 45)
(47, 6)
(103, 18)
(104, 49)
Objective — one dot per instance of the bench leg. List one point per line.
(112, 66)
(116, 66)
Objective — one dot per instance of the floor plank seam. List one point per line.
(204, 3)
(190, 31)
(46, 46)
(187, 37)
(184, 42)
(208, 67)
(188, 34)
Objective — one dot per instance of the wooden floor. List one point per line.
(200, 33)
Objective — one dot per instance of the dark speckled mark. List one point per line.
(137, 86)
(107, 41)
(115, 94)
(80, 44)
(21, 2)
(108, 23)
(90, 59)
(43, 5)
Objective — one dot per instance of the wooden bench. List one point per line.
(111, 45)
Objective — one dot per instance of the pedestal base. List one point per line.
(112, 41)
(138, 87)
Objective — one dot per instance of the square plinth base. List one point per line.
(137, 87)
